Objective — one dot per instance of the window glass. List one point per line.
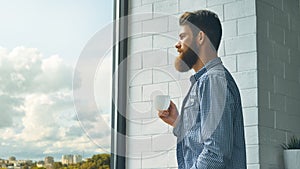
(41, 44)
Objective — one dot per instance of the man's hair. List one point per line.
(206, 21)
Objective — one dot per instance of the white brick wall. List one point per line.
(260, 46)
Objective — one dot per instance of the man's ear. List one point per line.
(200, 37)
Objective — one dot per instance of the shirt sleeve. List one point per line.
(176, 129)
(216, 123)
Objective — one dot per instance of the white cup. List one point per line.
(162, 102)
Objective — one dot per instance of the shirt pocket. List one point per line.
(191, 104)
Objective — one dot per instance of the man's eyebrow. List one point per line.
(182, 34)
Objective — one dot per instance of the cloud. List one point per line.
(37, 111)
(8, 109)
(18, 69)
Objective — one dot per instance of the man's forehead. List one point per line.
(184, 29)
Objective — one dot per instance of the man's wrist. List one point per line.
(175, 122)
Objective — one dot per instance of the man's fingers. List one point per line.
(163, 113)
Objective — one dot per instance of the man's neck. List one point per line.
(203, 59)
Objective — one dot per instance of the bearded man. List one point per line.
(210, 127)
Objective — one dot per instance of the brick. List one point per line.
(274, 3)
(262, 27)
(136, 144)
(191, 5)
(266, 80)
(281, 53)
(155, 160)
(271, 136)
(172, 54)
(165, 40)
(135, 94)
(160, 75)
(179, 88)
(149, 1)
(276, 33)
(250, 116)
(249, 97)
(230, 62)
(291, 72)
(268, 165)
(247, 61)
(140, 44)
(135, 162)
(171, 71)
(290, 39)
(281, 18)
(134, 3)
(141, 13)
(149, 91)
(186, 75)
(172, 161)
(246, 79)
(282, 121)
(286, 87)
(173, 24)
(264, 98)
(294, 22)
(291, 7)
(221, 51)
(299, 42)
(294, 57)
(155, 58)
(264, 11)
(156, 25)
(134, 129)
(292, 123)
(266, 117)
(134, 61)
(253, 166)
(218, 2)
(140, 77)
(292, 106)
(139, 110)
(134, 29)
(263, 62)
(276, 67)
(239, 9)
(275, 160)
(251, 135)
(167, 6)
(265, 46)
(154, 126)
(241, 44)
(229, 29)
(252, 154)
(218, 9)
(166, 74)
(163, 142)
(247, 25)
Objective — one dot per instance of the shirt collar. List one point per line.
(212, 63)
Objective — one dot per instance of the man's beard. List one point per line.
(186, 60)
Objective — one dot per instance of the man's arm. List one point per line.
(216, 123)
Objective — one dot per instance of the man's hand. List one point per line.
(169, 116)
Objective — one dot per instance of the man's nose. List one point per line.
(177, 45)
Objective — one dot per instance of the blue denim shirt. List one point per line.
(210, 128)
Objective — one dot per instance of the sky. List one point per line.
(40, 42)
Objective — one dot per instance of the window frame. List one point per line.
(119, 85)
